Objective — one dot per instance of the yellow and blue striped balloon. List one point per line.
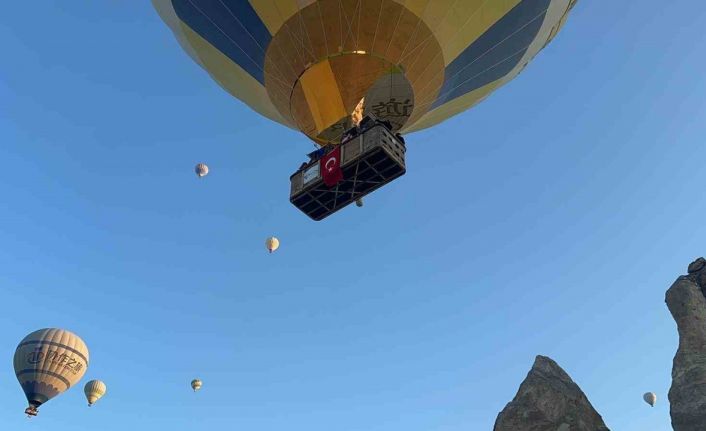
(309, 63)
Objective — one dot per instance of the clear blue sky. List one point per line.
(549, 220)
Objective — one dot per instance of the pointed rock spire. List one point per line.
(548, 400)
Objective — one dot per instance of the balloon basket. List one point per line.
(369, 161)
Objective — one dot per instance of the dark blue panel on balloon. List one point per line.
(495, 53)
(233, 27)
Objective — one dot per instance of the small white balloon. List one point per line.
(272, 244)
(201, 170)
(196, 384)
(94, 390)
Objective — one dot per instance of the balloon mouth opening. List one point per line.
(323, 112)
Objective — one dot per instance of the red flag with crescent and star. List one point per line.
(331, 167)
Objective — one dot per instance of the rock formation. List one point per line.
(686, 300)
(548, 400)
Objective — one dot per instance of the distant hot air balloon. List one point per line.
(314, 65)
(650, 398)
(272, 244)
(196, 384)
(48, 362)
(94, 390)
(201, 170)
(359, 203)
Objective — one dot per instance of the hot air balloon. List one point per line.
(308, 64)
(650, 398)
(359, 203)
(48, 362)
(201, 170)
(317, 66)
(94, 390)
(196, 384)
(272, 244)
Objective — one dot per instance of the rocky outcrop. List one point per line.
(686, 300)
(548, 400)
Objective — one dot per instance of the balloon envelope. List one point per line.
(650, 398)
(196, 384)
(48, 362)
(94, 390)
(201, 170)
(272, 244)
(308, 64)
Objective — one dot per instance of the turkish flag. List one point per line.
(331, 167)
